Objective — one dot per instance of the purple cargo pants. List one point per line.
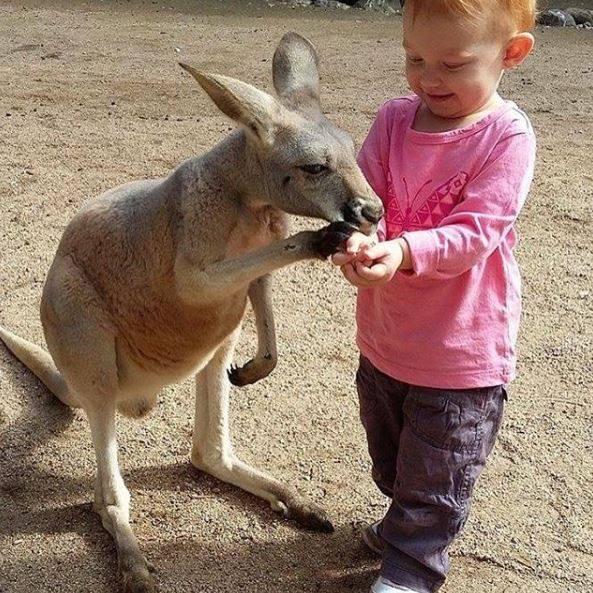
(428, 447)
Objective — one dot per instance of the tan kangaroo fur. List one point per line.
(150, 280)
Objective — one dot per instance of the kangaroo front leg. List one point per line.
(264, 362)
(200, 285)
(112, 500)
(213, 453)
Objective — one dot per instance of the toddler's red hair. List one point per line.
(520, 13)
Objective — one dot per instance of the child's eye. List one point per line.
(413, 60)
(454, 67)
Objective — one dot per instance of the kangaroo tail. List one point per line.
(41, 363)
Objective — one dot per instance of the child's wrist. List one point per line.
(406, 263)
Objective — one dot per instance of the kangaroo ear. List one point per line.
(259, 112)
(295, 72)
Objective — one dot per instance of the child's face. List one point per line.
(453, 65)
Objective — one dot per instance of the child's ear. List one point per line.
(517, 49)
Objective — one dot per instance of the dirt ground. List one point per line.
(92, 97)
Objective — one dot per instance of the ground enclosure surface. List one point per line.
(92, 97)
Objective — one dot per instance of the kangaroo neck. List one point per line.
(235, 162)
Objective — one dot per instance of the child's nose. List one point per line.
(430, 78)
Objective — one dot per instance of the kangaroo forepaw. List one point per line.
(234, 375)
(251, 372)
(332, 238)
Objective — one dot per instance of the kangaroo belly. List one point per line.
(158, 339)
(170, 339)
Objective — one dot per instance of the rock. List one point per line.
(389, 6)
(581, 16)
(330, 4)
(384, 5)
(556, 18)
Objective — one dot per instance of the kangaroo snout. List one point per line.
(364, 213)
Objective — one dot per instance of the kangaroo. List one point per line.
(150, 281)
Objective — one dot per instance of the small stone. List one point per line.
(581, 16)
(556, 18)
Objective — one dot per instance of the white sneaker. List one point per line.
(382, 585)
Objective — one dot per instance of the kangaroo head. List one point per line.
(308, 164)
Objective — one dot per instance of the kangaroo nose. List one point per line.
(360, 211)
(373, 213)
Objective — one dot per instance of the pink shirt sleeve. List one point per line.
(478, 224)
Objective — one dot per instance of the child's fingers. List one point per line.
(374, 273)
(341, 259)
(365, 261)
(350, 274)
(354, 243)
(375, 251)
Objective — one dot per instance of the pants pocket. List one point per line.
(446, 419)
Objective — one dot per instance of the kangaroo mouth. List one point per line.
(366, 227)
(364, 217)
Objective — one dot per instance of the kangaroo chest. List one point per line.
(256, 228)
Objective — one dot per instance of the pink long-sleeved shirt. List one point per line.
(452, 321)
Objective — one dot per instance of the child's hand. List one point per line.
(374, 264)
(355, 243)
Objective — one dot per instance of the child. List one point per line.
(439, 301)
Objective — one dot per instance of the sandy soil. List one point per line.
(92, 97)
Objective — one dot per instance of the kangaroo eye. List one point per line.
(313, 169)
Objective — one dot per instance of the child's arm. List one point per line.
(479, 223)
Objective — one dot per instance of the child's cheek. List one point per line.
(412, 78)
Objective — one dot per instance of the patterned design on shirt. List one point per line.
(424, 214)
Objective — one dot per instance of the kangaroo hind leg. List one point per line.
(213, 453)
(91, 368)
